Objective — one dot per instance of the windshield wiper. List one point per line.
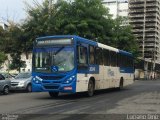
(59, 50)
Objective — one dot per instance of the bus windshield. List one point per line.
(53, 59)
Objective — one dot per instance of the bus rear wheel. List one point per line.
(121, 84)
(53, 94)
(90, 91)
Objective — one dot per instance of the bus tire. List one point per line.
(121, 84)
(53, 94)
(90, 91)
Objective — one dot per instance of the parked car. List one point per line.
(7, 76)
(13, 75)
(22, 82)
(5, 85)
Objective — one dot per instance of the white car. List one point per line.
(4, 84)
(22, 82)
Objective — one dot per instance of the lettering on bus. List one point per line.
(92, 69)
(110, 72)
(55, 42)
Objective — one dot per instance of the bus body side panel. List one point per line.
(127, 74)
(83, 79)
(81, 83)
(99, 78)
(111, 77)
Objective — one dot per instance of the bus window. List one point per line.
(106, 57)
(121, 59)
(99, 56)
(82, 55)
(91, 55)
(113, 58)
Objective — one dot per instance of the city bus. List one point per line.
(72, 64)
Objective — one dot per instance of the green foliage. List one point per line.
(86, 18)
(3, 57)
(122, 36)
(41, 22)
(12, 42)
(17, 63)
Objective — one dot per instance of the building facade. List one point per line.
(144, 16)
(117, 7)
(26, 58)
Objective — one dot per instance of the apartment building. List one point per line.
(117, 7)
(144, 16)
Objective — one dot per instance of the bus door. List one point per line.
(113, 70)
(106, 62)
(99, 62)
(82, 68)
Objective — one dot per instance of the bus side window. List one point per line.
(106, 54)
(99, 56)
(113, 58)
(91, 55)
(82, 55)
(120, 60)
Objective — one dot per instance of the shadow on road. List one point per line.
(83, 95)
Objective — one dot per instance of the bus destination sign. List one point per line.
(54, 42)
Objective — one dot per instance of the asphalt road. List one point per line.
(139, 100)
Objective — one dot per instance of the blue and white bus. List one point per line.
(71, 64)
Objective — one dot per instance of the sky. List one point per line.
(13, 9)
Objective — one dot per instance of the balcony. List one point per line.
(152, 10)
(136, 11)
(140, 21)
(136, 15)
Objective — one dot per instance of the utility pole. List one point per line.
(143, 43)
(144, 29)
(50, 7)
(117, 8)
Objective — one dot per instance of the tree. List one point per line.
(122, 36)
(41, 22)
(11, 42)
(3, 57)
(17, 63)
(85, 18)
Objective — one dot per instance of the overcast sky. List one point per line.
(13, 9)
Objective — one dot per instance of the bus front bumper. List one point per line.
(63, 88)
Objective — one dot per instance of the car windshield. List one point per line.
(6, 75)
(53, 59)
(23, 75)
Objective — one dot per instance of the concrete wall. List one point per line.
(28, 61)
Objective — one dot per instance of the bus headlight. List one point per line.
(37, 79)
(69, 80)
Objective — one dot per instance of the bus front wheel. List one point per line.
(90, 91)
(53, 94)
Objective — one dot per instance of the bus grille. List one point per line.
(51, 77)
(51, 87)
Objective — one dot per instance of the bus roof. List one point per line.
(91, 42)
(57, 36)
